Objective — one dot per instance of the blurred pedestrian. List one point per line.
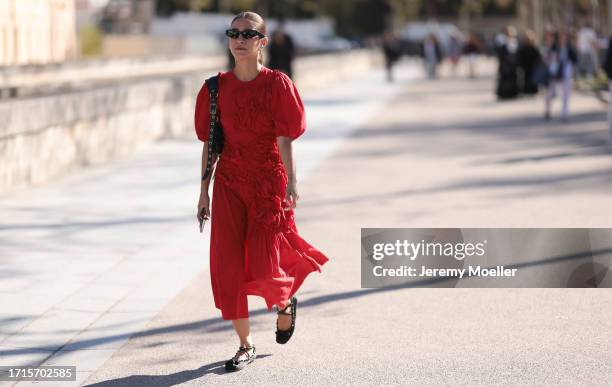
(392, 53)
(281, 51)
(506, 46)
(453, 53)
(471, 49)
(528, 60)
(255, 248)
(561, 60)
(608, 70)
(586, 47)
(432, 55)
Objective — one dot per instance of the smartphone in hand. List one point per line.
(202, 219)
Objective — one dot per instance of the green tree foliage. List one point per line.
(406, 9)
(90, 41)
(169, 7)
(353, 18)
(356, 18)
(267, 8)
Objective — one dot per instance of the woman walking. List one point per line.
(255, 248)
(506, 47)
(528, 59)
(561, 58)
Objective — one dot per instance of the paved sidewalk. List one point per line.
(444, 153)
(89, 260)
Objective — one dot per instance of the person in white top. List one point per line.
(587, 53)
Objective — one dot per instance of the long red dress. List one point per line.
(255, 248)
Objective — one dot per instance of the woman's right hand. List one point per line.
(204, 206)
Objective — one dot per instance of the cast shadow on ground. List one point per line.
(582, 279)
(95, 224)
(166, 380)
(216, 367)
(530, 127)
(545, 185)
(523, 134)
(217, 324)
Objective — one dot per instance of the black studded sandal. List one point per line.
(282, 336)
(234, 364)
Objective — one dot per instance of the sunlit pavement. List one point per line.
(114, 250)
(89, 259)
(443, 153)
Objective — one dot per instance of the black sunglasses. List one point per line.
(247, 34)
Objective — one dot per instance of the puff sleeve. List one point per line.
(202, 114)
(287, 109)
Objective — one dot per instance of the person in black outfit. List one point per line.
(392, 53)
(506, 47)
(608, 70)
(528, 58)
(281, 51)
(608, 60)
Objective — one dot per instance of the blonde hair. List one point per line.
(260, 25)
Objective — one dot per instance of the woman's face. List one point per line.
(245, 49)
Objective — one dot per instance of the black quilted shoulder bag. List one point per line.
(215, 138)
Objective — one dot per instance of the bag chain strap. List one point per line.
(213, 121)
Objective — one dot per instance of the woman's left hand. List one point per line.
(291, 196)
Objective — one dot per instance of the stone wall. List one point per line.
(48, 136)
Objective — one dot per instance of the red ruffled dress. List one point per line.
(255, 248)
